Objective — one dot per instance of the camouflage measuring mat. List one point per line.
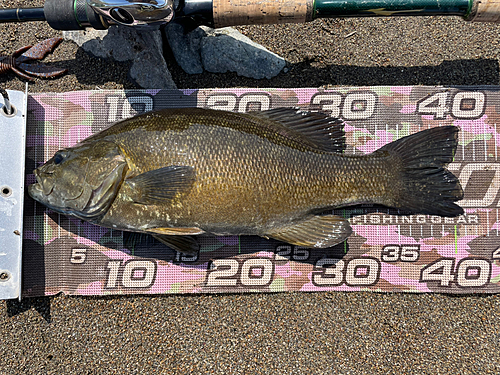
(389, 250)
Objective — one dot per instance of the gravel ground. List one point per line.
(288, 333)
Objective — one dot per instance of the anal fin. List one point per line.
(316, 232)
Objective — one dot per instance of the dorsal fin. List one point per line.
(315, 129)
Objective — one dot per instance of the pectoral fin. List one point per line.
(160, 185)
(318, 231)
(183, 244)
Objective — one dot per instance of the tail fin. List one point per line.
(425, 184)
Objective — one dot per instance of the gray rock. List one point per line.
(143, 48)
(220, 51)
(186, 47)
(226, 49)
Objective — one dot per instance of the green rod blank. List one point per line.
(385, 8)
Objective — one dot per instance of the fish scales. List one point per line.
(189, 171)
(241, 175)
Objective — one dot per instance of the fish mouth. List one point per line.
(35, 191)
(88, 204)
(41, 187)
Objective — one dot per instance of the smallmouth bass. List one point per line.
(175, 173)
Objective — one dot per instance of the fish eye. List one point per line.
(58, 158)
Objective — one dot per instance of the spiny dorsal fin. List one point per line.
(161, 185)
(316, 129)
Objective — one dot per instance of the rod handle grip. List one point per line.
(485, 11)
(244, 12)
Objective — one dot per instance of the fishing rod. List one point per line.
(100, 14)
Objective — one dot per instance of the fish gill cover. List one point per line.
(389, 250)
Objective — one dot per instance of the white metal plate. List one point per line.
(12, 159)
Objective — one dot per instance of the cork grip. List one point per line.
(486, 11)
(245, 12)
